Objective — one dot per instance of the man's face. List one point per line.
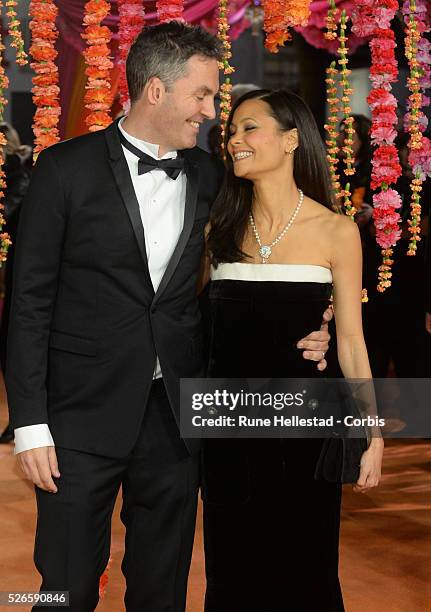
(188, 103)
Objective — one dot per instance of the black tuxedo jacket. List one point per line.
(86, 324)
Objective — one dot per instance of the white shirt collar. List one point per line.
(146, 147)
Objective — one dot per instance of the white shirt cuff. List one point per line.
(32, 436)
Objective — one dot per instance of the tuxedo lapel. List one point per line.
(192, 175)
(123, 179)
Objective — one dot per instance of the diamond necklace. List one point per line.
(266, 250)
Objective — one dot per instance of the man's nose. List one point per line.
(208, 108)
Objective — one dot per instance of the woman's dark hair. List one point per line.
(230, 212)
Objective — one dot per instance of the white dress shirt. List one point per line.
(161, 205)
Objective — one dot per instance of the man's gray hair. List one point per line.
(163, 51)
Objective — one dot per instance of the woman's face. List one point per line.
(256, 144)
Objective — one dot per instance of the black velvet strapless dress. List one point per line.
(271, 529)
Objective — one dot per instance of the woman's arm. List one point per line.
(346, 265)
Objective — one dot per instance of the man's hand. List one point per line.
(40, 465)
(428, 322)
(317, 343)
(364, 215)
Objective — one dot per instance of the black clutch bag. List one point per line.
(339, 460)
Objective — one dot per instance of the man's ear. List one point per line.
(154, 91)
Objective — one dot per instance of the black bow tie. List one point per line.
(146, 163)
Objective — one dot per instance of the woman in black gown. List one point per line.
(276, 252)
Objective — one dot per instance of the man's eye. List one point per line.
(249, 127)
(201, 98)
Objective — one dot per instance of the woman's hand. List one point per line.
(428, 322)
(371, 466)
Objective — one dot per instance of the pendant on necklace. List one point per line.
(265, 252)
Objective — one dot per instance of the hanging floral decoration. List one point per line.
(98, 95)
(45, 82)
(226, 87)
(331, 127)
(339, 105)
(331, 21)
(279, 16)
(14, 31)
(131, 20)
(346, 94)
(104, 579)
(417, 50)
(373, 18)
(297, 13)
(167, 10)
(276, 33)
(321, 30)
(5, 240)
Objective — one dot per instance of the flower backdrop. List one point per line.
(127, 16)
(79, 49)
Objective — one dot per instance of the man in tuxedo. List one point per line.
(104, 323)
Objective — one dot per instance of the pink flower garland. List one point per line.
(131, 21)
(168, 10)
(420, 159)
(373, 18)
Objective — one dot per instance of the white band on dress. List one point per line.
(297, 273)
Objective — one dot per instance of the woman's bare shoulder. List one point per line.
(315, 211)
(345, 227)
(329, 225)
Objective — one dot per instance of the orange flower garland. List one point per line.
(98, 97)
(15, 33)
(331, 21)
(416, 120)
(331, 127)
(349, 169)
(104, 579)
(5, 241)
(274, 24)
(297, 12)
(226, 88)
(413, 36)
(131, 20)
(336, 106)
(279, 15)
(45, 90)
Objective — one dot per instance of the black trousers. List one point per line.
(160, 483)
